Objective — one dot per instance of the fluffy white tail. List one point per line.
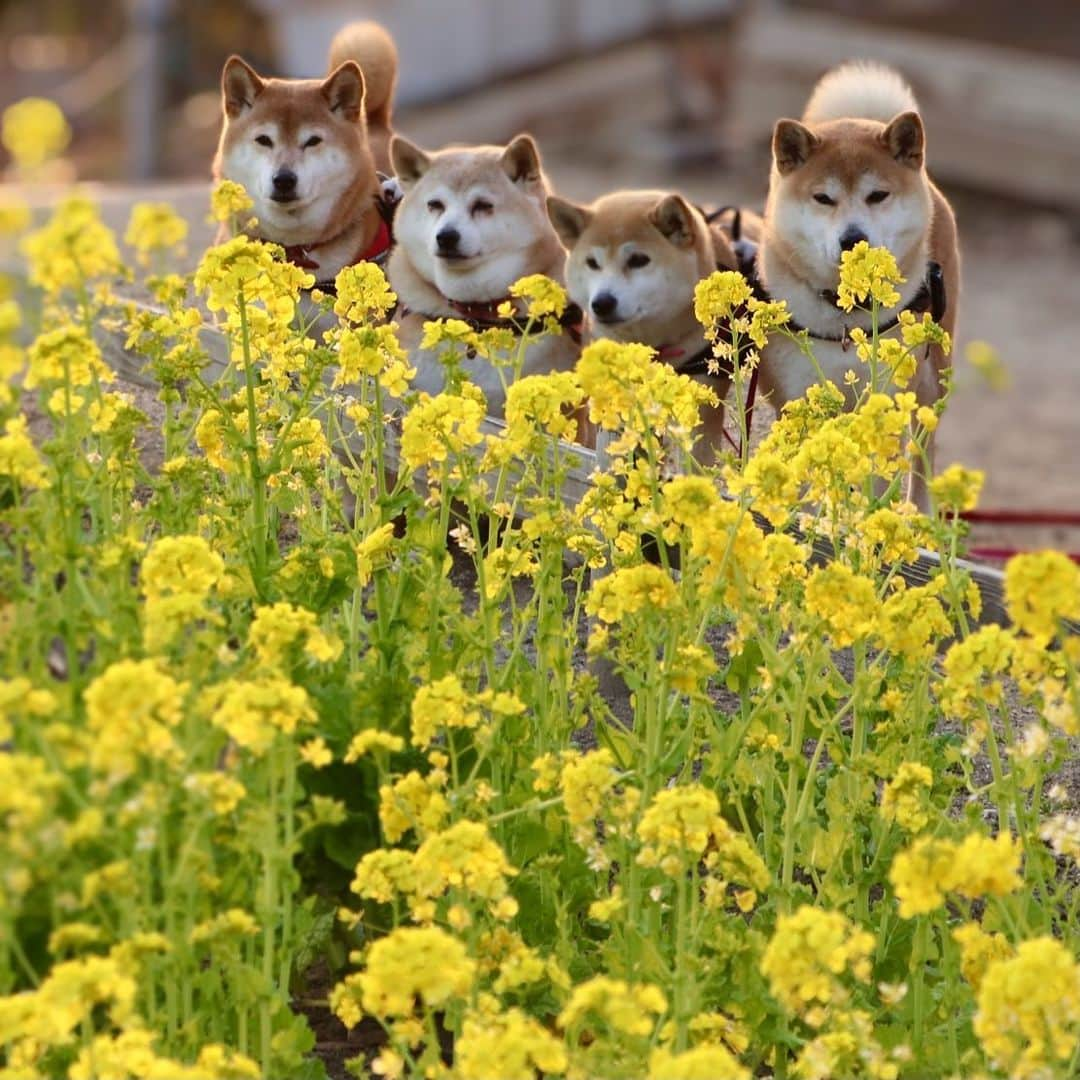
(860, 89)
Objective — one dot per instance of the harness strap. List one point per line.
(930, 297)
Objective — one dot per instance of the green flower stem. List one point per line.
(259, 525)
(271, 854)
(920, 950)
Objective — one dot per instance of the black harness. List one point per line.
(930, 297)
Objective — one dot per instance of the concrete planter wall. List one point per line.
(449, 46)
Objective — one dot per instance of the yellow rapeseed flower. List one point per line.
(384, 874)
(413, 802)
(809, 953)
(438, 427)
(132, 709)
(254, 712)
(710, 1061)
(868, 273)
(65, 353)
(1042, 589)
(509, 1045)
(227, 200)
(624, 1007)
(153, 228)
(925, 873)
(278, 627)
(1028, 1017)
(363, 293)
(19, 458)
(370, 740)
(845, 601)
(465, 858)
(73, 249)
(543, 296)
(412, 966)
(978, 950)
(904, 797)
(33, 131)
(957, 489)
(630, 590)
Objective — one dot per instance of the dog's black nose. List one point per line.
(604, 305)
(284, 182)
(850, 237)
(448, 240)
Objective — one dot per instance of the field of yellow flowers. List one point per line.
(253, 728)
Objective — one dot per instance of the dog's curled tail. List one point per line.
(374, 50)
(861, 89)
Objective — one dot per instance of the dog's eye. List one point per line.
(876, 197)
(264, 140)
(825, 200)
(435, 206)
(481, 206)
(638, 260)
(591, 263)
(313, 141)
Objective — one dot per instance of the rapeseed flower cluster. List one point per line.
(178, 577)
(19, 458)
(277, 628)
(65, 355)
(629, 392)
(924, 874)
(155, 229)
(438, 428)
(131, 711)
(253, 712)
(809, 957)
(73, 250)
(411, 967)
(1028, 1017)
(510, 1044)
(868, 274)
(228, 684)
(34, 130)
(627, 1008)
(904, 799)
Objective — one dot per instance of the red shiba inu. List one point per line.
(307, 151)
(634, 259)
(854, 169)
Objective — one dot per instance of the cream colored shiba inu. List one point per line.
(472, 221)
(307, 151)
(854, 169)
(634, 259)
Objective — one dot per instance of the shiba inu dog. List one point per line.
(854, 169)
(472, 221)
(307, 151)
(634, 259)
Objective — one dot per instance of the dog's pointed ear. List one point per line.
(675, 220)
(792, 145)
(343, 89)
(568, 219)
(905, 138)
(240, 86)
(409, 162)
(521, 160)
